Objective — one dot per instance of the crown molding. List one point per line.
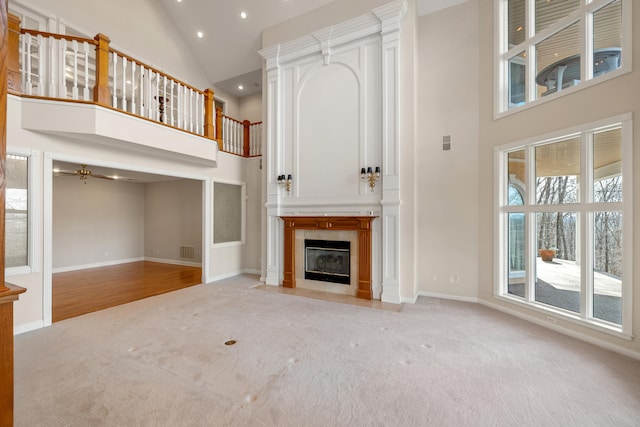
(382, 20)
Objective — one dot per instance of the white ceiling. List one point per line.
(228, 51)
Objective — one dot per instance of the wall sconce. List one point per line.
(370, 175)
(285, 182)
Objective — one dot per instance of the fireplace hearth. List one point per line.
(327, 261)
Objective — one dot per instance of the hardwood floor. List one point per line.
(93, 289)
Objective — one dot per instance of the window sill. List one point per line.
(552, 313)
(625, 69)
(17, 271)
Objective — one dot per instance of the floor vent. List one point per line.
(187, 251)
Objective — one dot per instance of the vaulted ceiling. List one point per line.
(228, 48)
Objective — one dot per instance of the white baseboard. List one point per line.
(125, 261)
(96, 264)
(251, 271)
(580, 336)
(173, 262)
(441, 296)
(219, 277)
(28, 327)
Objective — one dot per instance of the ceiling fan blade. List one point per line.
(103, 177)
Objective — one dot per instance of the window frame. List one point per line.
(33, 190)
(243, 219)
(585, 208)
(583, 16)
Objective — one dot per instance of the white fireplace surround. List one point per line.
(348, 236)
(331, 108)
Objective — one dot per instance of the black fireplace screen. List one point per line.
(327, 261)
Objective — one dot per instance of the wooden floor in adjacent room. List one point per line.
(84, 291)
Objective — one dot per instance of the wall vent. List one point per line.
(187, 251)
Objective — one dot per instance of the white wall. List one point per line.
(138, 28)
(447, 184)
(173, 217)
(251, 108)
(251, 254)
(95, 223)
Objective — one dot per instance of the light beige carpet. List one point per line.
(162, 361)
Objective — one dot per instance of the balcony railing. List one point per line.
(57, 66)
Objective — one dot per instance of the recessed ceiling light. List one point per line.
(240, 87)
(243, 15)
(179, 1)
(200, 34)
(56, 170)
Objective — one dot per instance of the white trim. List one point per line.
(47, 239)
(49, 157)
(243, 213)
(549, 137)
(172, 262)
(95, 265)
(503, 53)
(584, 209)
(554, 326)
(212, 279)
(28, 327)
(34, 191)
(441, 296)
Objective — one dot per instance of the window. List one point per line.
(17, 211)
(547, 46)
(563, 201)
(228, 213)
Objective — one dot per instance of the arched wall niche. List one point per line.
(328, 127)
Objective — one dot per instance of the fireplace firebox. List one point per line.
(327, 261)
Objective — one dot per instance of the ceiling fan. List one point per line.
(85, 173)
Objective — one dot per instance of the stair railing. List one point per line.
(77, 69)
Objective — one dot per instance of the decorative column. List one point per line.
(390, 17)
(219, 127)
(101, 93)
(209, 115)
(273, 159)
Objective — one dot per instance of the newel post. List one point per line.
(101, 93)
(209, 117)
(247, 138)
(14, 80)
(219, 127)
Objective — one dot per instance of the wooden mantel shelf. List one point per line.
(361, 224)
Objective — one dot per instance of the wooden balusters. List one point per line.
(101, 89)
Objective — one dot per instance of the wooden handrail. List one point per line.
(155, 70)
(58, 36)
(213, 118)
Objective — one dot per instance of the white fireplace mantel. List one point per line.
(332, 107)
